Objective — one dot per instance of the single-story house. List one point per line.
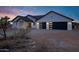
(51, 20)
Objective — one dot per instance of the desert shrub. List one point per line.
(21, 33)
(18, 41)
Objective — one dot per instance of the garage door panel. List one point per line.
(60, 25)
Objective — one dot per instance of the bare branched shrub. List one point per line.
(18, 41)
(21, 33)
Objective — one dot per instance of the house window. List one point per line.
(50, 25)
(40, 25)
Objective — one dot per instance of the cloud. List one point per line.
(9, 11)
(13, 11)
(9, 15)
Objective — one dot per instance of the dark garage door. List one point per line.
(42, 25)
(60, 25)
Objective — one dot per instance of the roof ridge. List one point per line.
(59, 14)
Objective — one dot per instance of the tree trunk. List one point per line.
(4, 34)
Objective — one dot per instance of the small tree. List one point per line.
(3, 23)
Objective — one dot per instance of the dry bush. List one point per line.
(18, 42)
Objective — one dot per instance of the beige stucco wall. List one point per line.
(21, 25)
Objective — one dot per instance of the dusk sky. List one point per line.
(13, 11)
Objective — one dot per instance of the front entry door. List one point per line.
(29, 25)
(43, 25)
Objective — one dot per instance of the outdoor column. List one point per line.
(37, 25)
(69, 26)
(47, 25)
(32, 25)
